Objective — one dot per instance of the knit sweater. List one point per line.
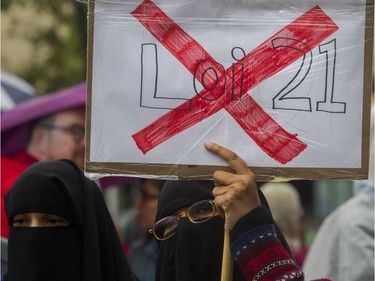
(258, 251)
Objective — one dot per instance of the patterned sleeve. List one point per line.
(262, 257)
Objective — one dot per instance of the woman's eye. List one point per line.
(39, 220)
(57, 221)
(19, 222)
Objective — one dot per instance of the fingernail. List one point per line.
(208, 143)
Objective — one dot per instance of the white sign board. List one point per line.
(284, 84)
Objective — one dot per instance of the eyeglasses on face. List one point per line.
(197, 213)
(77, 131)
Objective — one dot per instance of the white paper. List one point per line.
(127, 98)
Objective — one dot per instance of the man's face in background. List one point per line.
(64, 138)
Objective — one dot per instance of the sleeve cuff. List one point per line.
(257, 217)
(251, 239)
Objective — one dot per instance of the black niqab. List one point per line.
(195, 251)
(88, 250)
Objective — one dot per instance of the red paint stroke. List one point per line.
(311, 28)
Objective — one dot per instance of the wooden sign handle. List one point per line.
(227, 263)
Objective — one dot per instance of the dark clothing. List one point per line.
(11, 168)
(179, 194)
(256, 248)
(87, 250)
(44, 253)
(142, 258)
(195, 251)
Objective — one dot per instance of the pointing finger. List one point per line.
(234, 161)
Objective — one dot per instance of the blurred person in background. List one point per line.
(143, 252)
(343, 248)
(287, 211)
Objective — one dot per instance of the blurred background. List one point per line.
(44, 42)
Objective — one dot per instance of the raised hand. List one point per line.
(235, 193)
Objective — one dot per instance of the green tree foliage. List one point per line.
(58, 47)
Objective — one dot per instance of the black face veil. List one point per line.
(89, 249)
(195, 251)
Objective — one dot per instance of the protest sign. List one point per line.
(284, 84)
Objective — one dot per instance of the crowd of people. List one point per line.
(61, 229)
(56, 224)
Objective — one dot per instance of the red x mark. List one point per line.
(297, 38)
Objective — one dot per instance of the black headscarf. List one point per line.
(195, 251)
(87, 250)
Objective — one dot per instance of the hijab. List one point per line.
(88, 249)
(195, 251)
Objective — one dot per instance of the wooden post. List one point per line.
(227, 263)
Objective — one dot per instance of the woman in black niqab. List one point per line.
(88, 249)
(195, 251)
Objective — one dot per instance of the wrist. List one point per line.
(255, 218)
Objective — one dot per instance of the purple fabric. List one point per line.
(115, 181)
(14, 123)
